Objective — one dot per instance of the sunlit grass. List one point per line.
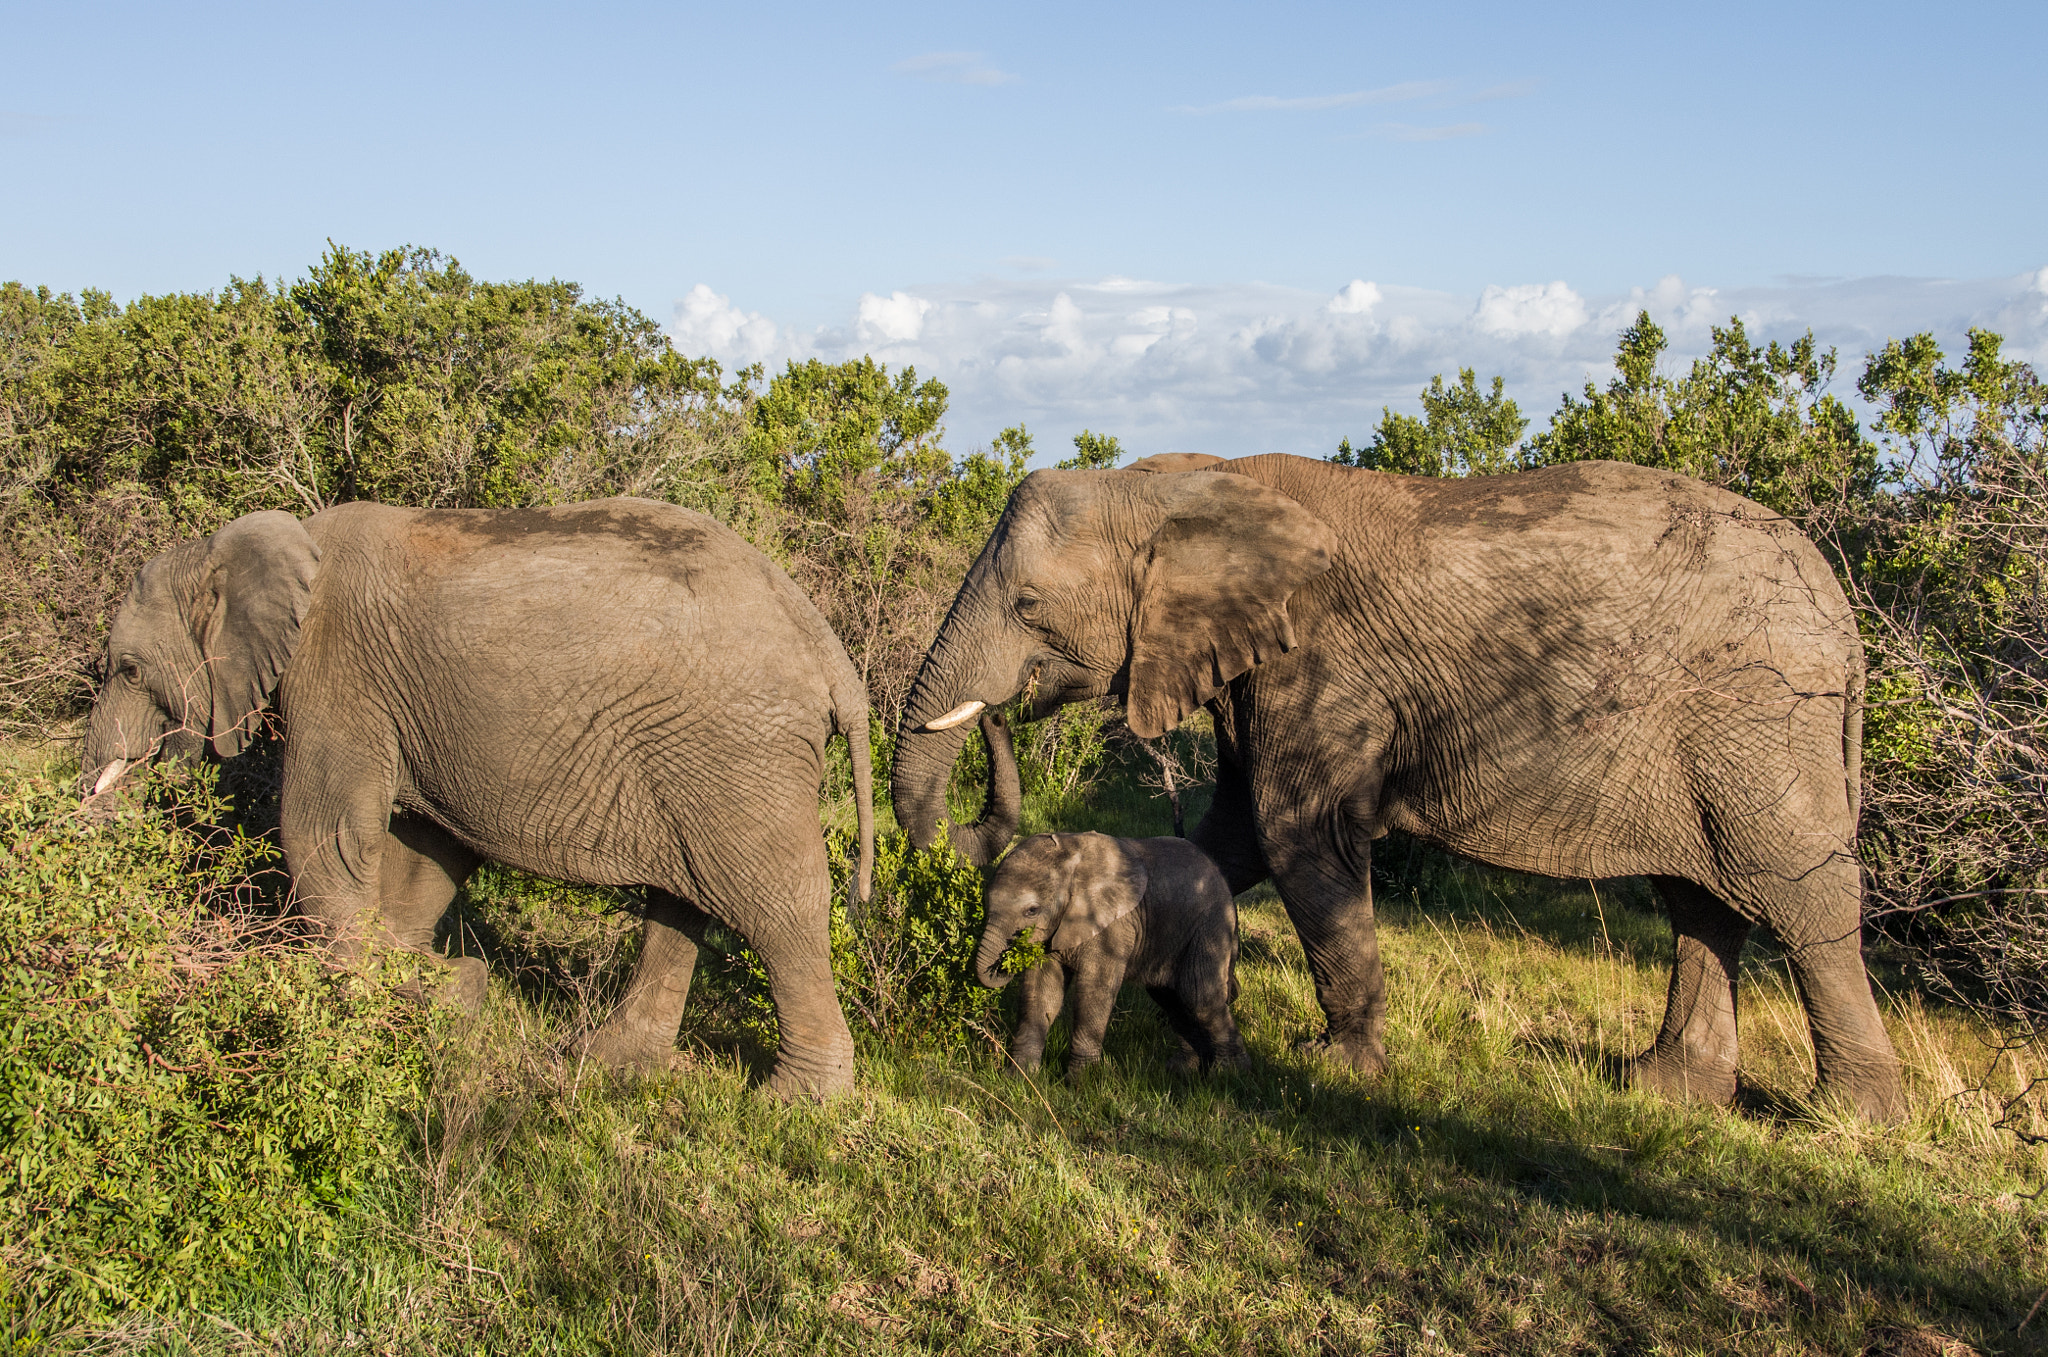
(1496, 1191)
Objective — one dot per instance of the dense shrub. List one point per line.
(185, 1090)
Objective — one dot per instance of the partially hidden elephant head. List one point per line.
(1157, 586)
(1065, 889)
(198, 645)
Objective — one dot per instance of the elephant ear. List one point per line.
(1103, 883)
(251, 602)
(1214, 581)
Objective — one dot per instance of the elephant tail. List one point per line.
(1852, 739)
(850, 714)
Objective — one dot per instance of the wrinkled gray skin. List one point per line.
(620, 692)
(1153, 912)
(1592, 670)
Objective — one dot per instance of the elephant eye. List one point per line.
(1028, 605)
(1031, 911)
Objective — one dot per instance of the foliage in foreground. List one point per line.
(184, 1090)
(1495, 1193)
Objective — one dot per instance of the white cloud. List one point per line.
(953, 68)
(895, 319)
(1355, 298)
(1529, 309)
(1269, 103)
(1241, 368)
(709, 323)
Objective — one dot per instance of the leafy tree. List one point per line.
(1757, 420)
(1463, 431)
(1092, 452)
(1952, 585)
(861, 500)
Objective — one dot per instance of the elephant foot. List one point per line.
(811, 1079)
(624, 1050)
(1870, 1086)
(458, 984)
(1237, 1058)
(1668, 1072)
(1183, 1061)
(1356, 1050)
(1080, 1072)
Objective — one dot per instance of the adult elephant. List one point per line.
(1591, 670)
(620, 692)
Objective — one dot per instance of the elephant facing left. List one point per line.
(620, 692)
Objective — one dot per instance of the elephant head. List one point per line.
(1064, 889)
(1157, 586)
(198, 644)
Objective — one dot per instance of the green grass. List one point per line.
(1495, 1192)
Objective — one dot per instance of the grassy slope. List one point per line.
(1496, 1192)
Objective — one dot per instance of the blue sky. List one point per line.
(1200, 184)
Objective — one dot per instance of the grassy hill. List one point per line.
(1495, 1192)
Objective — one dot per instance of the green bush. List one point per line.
(903, 963)
(185, 1090)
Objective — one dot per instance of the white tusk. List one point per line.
(960, 715)
(109, 775)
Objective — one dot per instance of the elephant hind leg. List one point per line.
(1822, 934)
(1694, 1055)
(763, 872)
(640, 1034)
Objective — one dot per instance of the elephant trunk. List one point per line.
(935, 726)
(125, 730)
(993, 945)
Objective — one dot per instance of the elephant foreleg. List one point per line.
(1096, 981)
(1043, 992)
(335, 828)
(1228, 831)
(421, 869)
(641, 1031)
(1695, 1052)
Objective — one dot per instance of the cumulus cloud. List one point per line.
(893, 319)
(709, 323)
(1240, 368)
(1529, 309)
(1355, 298)
(953, 68)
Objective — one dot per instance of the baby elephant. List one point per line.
(1107, 910)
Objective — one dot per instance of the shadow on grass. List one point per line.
(1623, 1182)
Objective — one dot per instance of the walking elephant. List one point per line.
(620, 692)
(1590, 670)
(1111, 912)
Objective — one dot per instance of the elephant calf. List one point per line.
(1108, 910)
